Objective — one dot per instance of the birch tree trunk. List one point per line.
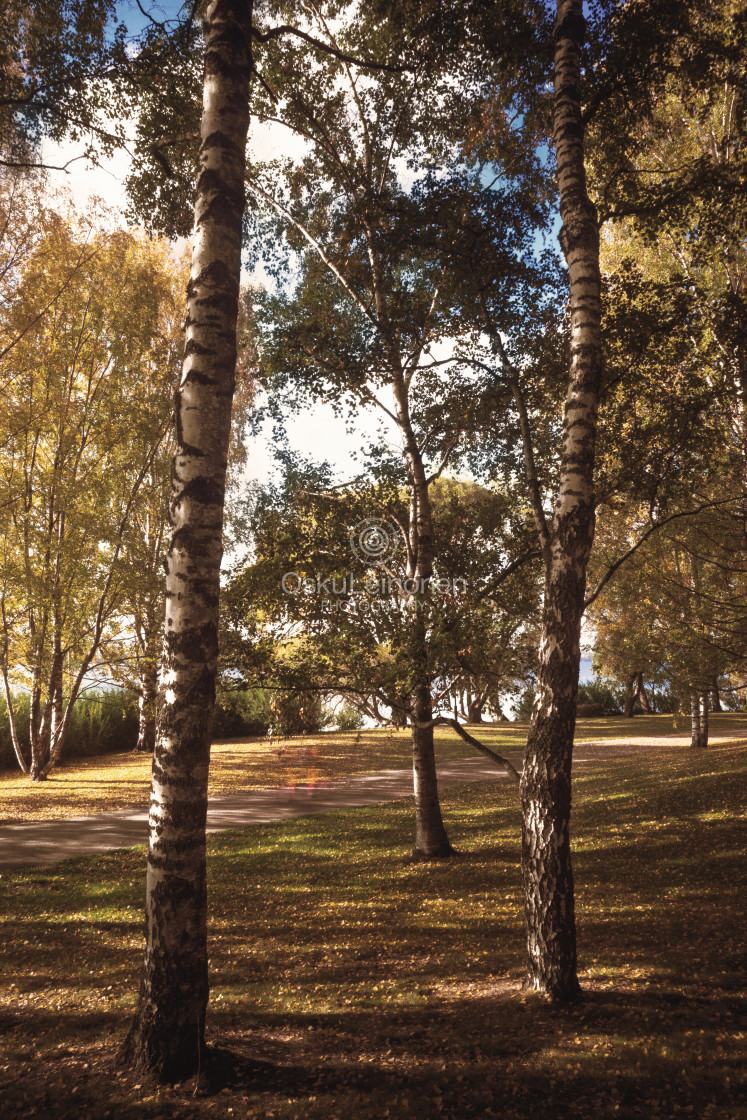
(699, 718)
(546, 778)
(695, 740)
(703, 719)
(146, 738)
(167, 1035)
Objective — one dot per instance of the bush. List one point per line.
(298, 713)
(101, 722)
(590, 711)
(348, 718)
(240, 714)
(602, 697)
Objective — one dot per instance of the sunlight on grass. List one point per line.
(122, 781)
(375, 985)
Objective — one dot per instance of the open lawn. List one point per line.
(122, 781)
(350, 984)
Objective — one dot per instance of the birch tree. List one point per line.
(78, 445)
(304, 614)
(131, 650)
(566, 538)
(167, 1035)
(371, 319)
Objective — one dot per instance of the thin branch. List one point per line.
(444, 460)
(530, 554)
(151, 18)
(395, 130)
(413, 358)
(261, 193)
(155, 149)
(530, 466)
(652, 529)
(18, 165)
(363, 63)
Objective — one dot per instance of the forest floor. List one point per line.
(109, 783)
(349, 984)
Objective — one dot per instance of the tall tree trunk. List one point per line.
(546, 777)
(56, 704)
(630, 698)
(703, 719)
(715, 696)
(698, 718)
(694, 719)
(12, 725)
(38, 731)
(146, 737)
(641, 696)
(168, 1032)
(431, 840)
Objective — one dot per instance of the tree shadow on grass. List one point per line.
(477, 1049)
(624, 1053)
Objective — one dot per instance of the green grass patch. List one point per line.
(121, 781)
(349, 983)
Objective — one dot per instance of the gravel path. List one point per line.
(37, 843)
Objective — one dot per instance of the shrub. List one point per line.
(102, 721)
(348, 718)
(298, 713)
(240, 714)
(602, 697)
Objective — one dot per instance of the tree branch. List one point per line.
(363, 63)
(473, 742)
(530, 467)
(652, 529)
(261, 193)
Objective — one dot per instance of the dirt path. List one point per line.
(598, 749)
(24, 845)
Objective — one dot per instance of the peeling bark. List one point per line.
(546, 778)
(167, 1036)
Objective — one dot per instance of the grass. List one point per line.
(122, 781)
(350, 984)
